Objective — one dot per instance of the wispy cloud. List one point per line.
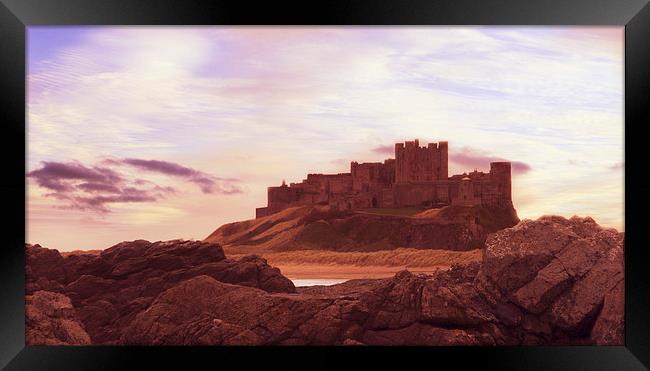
(208, 183)
(89, 188)
(617, 166)
(384, 149)
(93, 188)
(471, 159)
(59, 177)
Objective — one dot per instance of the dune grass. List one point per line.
(81, 252)
(402, 257)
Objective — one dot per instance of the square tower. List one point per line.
(420, 164)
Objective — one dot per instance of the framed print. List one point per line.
(283, 184)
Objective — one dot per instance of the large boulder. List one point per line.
(109, 289)
(560, 273)
(224, 313)
(50, 320)
(44, 269)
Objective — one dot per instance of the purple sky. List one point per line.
(195, 123)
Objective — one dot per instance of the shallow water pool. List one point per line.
(299, 282)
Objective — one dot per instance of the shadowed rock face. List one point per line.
(110, 288)
(565, 276)
(550, 281)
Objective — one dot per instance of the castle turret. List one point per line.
(443, 149)
(500, 174)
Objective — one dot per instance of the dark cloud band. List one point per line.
(94, 187)
(472, 159)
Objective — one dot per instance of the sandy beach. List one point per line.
(327, 271)
(330, 265)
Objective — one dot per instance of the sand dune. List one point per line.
(377, 264)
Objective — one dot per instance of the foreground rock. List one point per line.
(318, 227)
(110, 288)
(550, 281)
(565, 278)
(51, 320)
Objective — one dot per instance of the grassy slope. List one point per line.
(402, 211)
(318, 228)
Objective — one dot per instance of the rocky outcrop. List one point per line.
(550, 281)
(566, 276)
(50, 320)
(318, 227)
(110, 288)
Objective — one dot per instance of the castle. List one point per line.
(417, 176)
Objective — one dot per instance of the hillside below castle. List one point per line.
(416, 177)
(325, 228)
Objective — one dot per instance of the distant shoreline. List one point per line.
(347, 272)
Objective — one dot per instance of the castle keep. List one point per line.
(417, 176)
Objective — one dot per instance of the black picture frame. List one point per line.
(16, 15)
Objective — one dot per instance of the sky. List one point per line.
(169, 132)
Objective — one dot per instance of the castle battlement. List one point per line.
(417, 176)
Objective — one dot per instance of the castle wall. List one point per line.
(326, 184)
(261, 212)
(340, 185)
(491, 189)
(316, 189)
(418, 176)
(372, 174)
(282, 195)
(466, 194)
(420, 193)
